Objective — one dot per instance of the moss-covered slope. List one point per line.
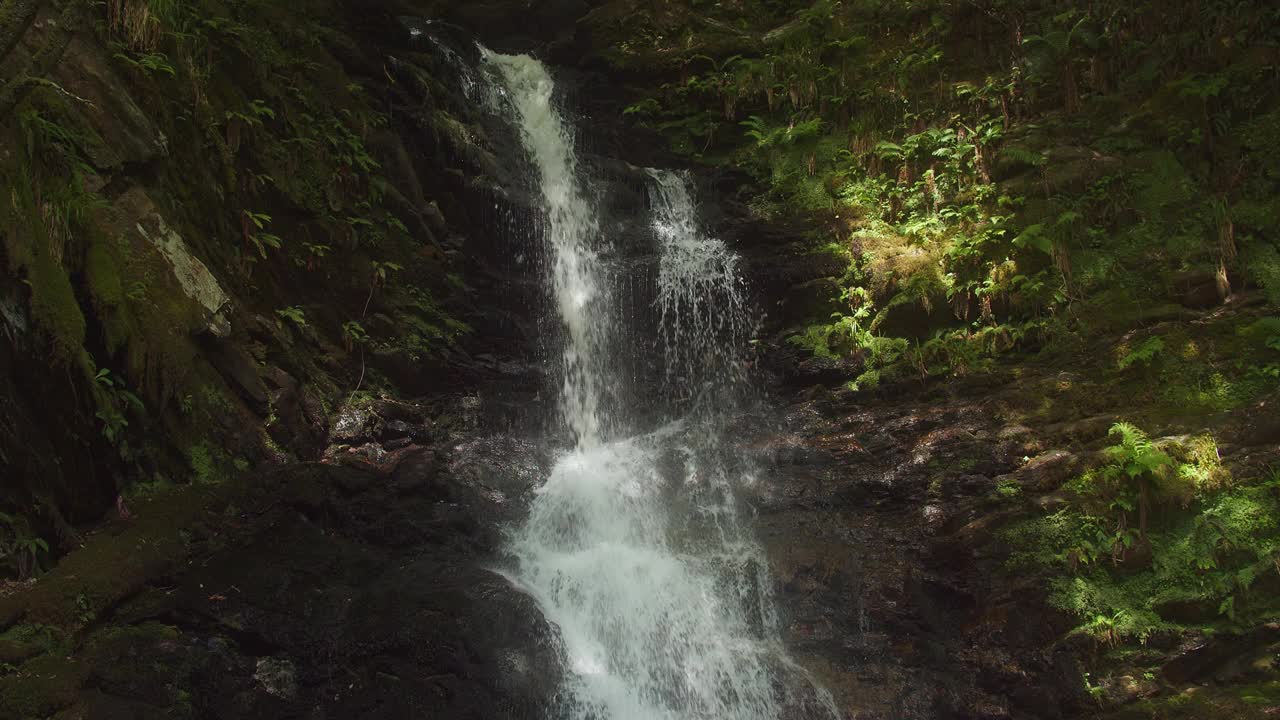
(218, 220)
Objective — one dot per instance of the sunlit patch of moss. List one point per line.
(211, 464)
(1245, 700)
(1008, 489)
(1190, 350)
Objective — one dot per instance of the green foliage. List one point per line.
(294, 315)
(1263, 262)
(150, 63)
(315, 253)
(1135, 455)
(354, 335)
(1143, 354)
(20, 549)
(646, 107)
(1214, 543)
(1008, 489)
(1065, 166)
(1265, 333)
(383, 269)
(254, 227)
(115, 403)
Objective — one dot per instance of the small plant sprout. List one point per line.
(292, 314)
(353, 334)
(253, 226)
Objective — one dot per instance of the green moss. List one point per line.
(213, 400)
(26, 640)
(1229, 702)
(1008, 489)
(104, 277)
(54, 307)
(210, 464)
(41, 687)
(149, 660)
(110, 567)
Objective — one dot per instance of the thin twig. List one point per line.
(361, 380)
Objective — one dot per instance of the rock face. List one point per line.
(885, 580)
(192, 275)
(351, 589)
(883, 518)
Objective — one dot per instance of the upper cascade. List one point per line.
(527, 92)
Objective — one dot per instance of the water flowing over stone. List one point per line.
(570, 230)
(703, 313)
(637, 548)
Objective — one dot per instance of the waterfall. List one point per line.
(703, 317)
(570, 229)
(637, 547)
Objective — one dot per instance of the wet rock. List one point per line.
(1198, 655)
(1188, 610)
(278, 677)
(1263, 424)
(128, 136)
(888, 560)
(413, 375)
(354, 425)
(240, 371)
(1082, 430)
(397, 429)
(362, 590)
(1199, 290)
(1015, 432)
(509, 26)
(299, 416)
(192, 275)
(934, 517)
(1126, 689)
(1047, 472)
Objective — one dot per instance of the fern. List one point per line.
(889, 151)
(1263, 263)
(293, 315)
(1035, 236)
(1135, 454)
(644, 108)
(1144, 354)
(1016, 155)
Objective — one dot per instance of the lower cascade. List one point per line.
(637, 547)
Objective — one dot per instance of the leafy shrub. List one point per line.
(1213, 543)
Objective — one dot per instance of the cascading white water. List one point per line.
(570, 229)
(703, 313)
(635, 548)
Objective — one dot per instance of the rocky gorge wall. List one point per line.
(218, 230)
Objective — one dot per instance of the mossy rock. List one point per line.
(41, 687)
(148, 663)
(1230, 702)
(110, 567)
(13, 652)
